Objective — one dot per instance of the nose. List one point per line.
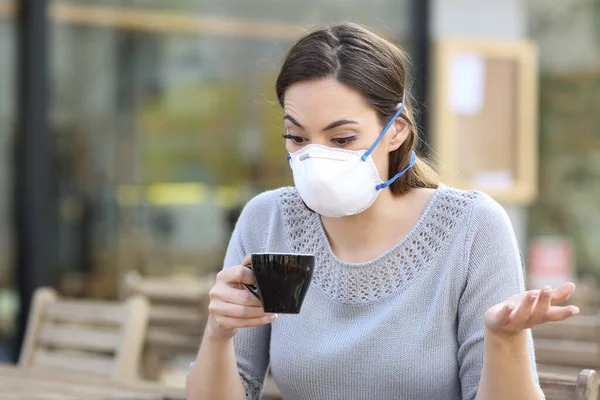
(320, 140)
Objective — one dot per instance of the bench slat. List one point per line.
(191, 318)
(77, 362)
(582, 386)
(585, 328)
(567, 353)
(85, 311)
(167, 340)
(79, 337)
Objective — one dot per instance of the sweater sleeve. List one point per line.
(494, 274)
(252, 344)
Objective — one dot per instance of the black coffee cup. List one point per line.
(282, 280)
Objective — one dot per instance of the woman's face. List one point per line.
(328, 113)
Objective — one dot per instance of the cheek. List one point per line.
(381, 159)
(291, 147)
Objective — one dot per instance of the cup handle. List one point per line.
(253, 289)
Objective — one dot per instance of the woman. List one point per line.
(418, 288)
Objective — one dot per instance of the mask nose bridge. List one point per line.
(315, 151)
(321, 156)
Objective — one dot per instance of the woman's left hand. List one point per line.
(531, 308)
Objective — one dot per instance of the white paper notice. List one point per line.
(467, 83)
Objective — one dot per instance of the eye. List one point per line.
(343, 140)
(295, 139)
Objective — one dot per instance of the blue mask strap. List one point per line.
(413, 160)
(382, 134)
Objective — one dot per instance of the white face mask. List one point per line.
(338, 182)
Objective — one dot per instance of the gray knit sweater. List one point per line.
(406, 325)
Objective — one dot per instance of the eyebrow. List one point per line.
(333, 125)
(339, 123)
(292, 120)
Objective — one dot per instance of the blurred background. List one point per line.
(133, 131)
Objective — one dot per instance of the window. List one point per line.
(166, 123)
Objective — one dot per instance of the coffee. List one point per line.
(282, 280)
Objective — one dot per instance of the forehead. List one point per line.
(324, 99)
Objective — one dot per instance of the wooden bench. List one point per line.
(178, 314)
(583, 386)
(568, 346)
(33, 384)
(85, 337)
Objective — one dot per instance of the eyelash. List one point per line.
(298, 140)
(295, 139)
(344, 140)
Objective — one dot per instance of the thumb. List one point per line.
(247, 260)
(505, 312)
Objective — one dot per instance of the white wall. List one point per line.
(504, 19)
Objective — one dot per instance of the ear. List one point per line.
(399, 132)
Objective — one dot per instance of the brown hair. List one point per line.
(360, 59)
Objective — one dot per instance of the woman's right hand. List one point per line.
(232, 305)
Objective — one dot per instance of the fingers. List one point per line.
(522, 314)
(247, 260)
(235, 323)
(232, 295)
(542, 306)
(232, 306)
(533, 312)
(562, 292)
(237, 274)
(561, 313)
(531, 308)
(505, 313)
(235, 310)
